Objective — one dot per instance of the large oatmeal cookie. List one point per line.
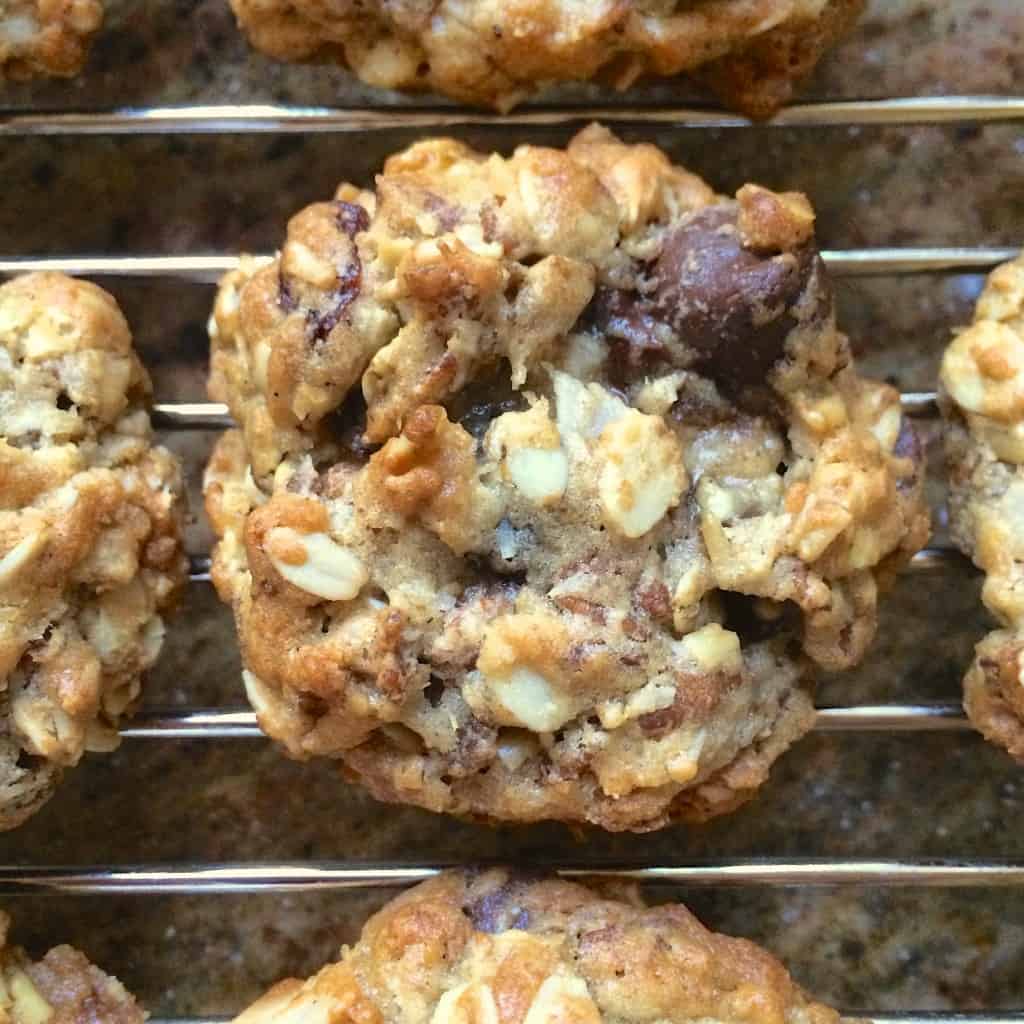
(491, 948)
(496, 52)
(46, 37)
(62, 988)
(982, 399)
(90, 531)
(554, 477)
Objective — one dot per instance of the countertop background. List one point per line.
(836, 796)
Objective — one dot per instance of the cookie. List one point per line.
(62, 988)
(473, 947)
(554, 479)
(90, 532)
(46, 37)
(496, 54)
(982, 401)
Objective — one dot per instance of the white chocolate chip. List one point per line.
(657, 396)
(584, 410)
(540, 474)
(887, 427)
(528, 447)
(326, 569)
(514, 750)
(684, 764)
(643, 475)
(714, 648)
(466, 1004)
(529, 700)
(29, 1006)
(298, 260)
(562, 998)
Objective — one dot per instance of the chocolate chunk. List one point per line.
(498, 910)
(630, 328)
(352, 218)
(731, 305)
(285, 297)
(908, 446)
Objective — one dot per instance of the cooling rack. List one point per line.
(238, 724)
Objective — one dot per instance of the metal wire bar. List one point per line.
(311, 877)
(191, 416)
(261, 118)
(215, 416)
(208, 268)
(240, 724)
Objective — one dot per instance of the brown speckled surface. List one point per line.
(834, 796)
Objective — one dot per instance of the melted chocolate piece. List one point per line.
(352, 219)
(631, 329)
(732, 305)
(908, 446)
(498, 911)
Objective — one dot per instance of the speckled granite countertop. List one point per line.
(833, 796)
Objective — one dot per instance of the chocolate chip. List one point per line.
(352, 218)
(285, 297)
(631, 330)
(731, 305)
(908, 446)
(498, 910)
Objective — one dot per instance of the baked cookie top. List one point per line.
(496, 53)
(554, 473)
(46, 37)
(62, 988)
(982, 399)
(90, 531)
(482, 947)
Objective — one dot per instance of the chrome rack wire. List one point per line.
(208, 267)
(257, 118)
(241, 724)
(306, 876)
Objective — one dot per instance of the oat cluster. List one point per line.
(491, 948)
(497, 53)
(553, 482)
(46, 37)
(90, 532)
(982, 398)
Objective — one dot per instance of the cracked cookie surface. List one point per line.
(90, 532)
(46, 37)
(982, 400)
(554, 480)
(476, 947)
(61, 988)
(496, 53)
